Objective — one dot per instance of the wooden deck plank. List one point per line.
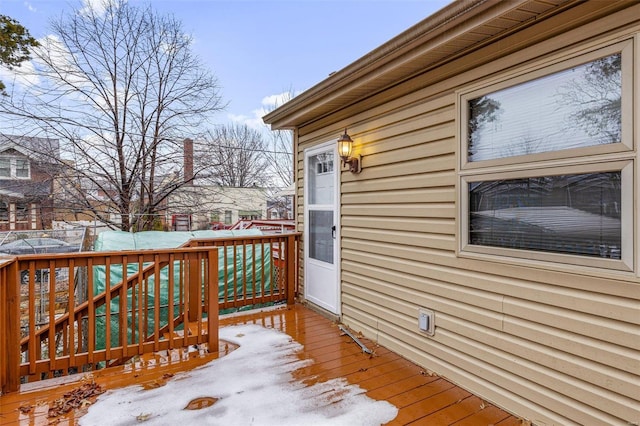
(385, 374)
(408, 384)
(428, 405)
(490, 415)
(513, 421)
(421, 398)
(462, 412)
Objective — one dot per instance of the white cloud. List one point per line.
(268, 104)
(254, 385)
(273, 101)
(30, 7)
(22, 75)
(255, 121)
(97, 6)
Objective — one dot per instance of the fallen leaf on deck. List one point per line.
(25, 409)
(77, 398)
(154, 384)
(143, 417)
(200, 403)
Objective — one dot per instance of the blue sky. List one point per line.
(258, 49)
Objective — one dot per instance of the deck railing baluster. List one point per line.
(91, 330)
(32, 354)
(140, 315)
(107, 311)
(170, 302)
(123, 322)
(156, 305)
(72, 321)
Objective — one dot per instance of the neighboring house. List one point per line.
(199, 205)
(27, 170)
(280, 208)
(78, 199)
(493, 233)
(194, 207)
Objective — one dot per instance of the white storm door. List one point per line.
(322, 259)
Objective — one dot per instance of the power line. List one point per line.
(264, 151)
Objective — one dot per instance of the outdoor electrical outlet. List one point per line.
(427, 321)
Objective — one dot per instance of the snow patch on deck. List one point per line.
(254, 386)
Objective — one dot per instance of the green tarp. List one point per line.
(120, 240)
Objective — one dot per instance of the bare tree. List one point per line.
(482, 111)
(235, 154)
(595, 99)
(280, 148)
(280, 161)
(119, 86)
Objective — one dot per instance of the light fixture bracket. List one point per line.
(354, 163)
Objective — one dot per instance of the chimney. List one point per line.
(188, 161)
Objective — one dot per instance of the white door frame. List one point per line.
(309, 263)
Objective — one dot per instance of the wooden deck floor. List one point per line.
(420, 398)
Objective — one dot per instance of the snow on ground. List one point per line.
(254, 385)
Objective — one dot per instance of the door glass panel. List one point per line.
(321, 235)
(321, 178)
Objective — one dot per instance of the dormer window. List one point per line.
(14, 168)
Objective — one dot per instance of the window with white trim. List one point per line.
(546, 164)
(4, 211)
(14, 168)
(22, 212)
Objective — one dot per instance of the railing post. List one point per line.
(11, 343)
(290, 257)
(212, 309)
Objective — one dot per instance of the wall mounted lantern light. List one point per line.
(345, 145)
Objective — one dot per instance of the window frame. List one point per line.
(13, 167)
(600, 158)
(8, 160)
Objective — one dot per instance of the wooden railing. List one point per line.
(261, 283)
(142, 301)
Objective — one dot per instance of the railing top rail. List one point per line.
(99, 254)
(242, 238)
(188, 246)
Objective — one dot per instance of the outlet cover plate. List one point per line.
(427, 321)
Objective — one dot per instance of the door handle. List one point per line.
(333, 232)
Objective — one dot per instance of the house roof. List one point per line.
(448, 34)
(41, 149)
(20, 189)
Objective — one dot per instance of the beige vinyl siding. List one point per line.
(557, 344)
(502, 329)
